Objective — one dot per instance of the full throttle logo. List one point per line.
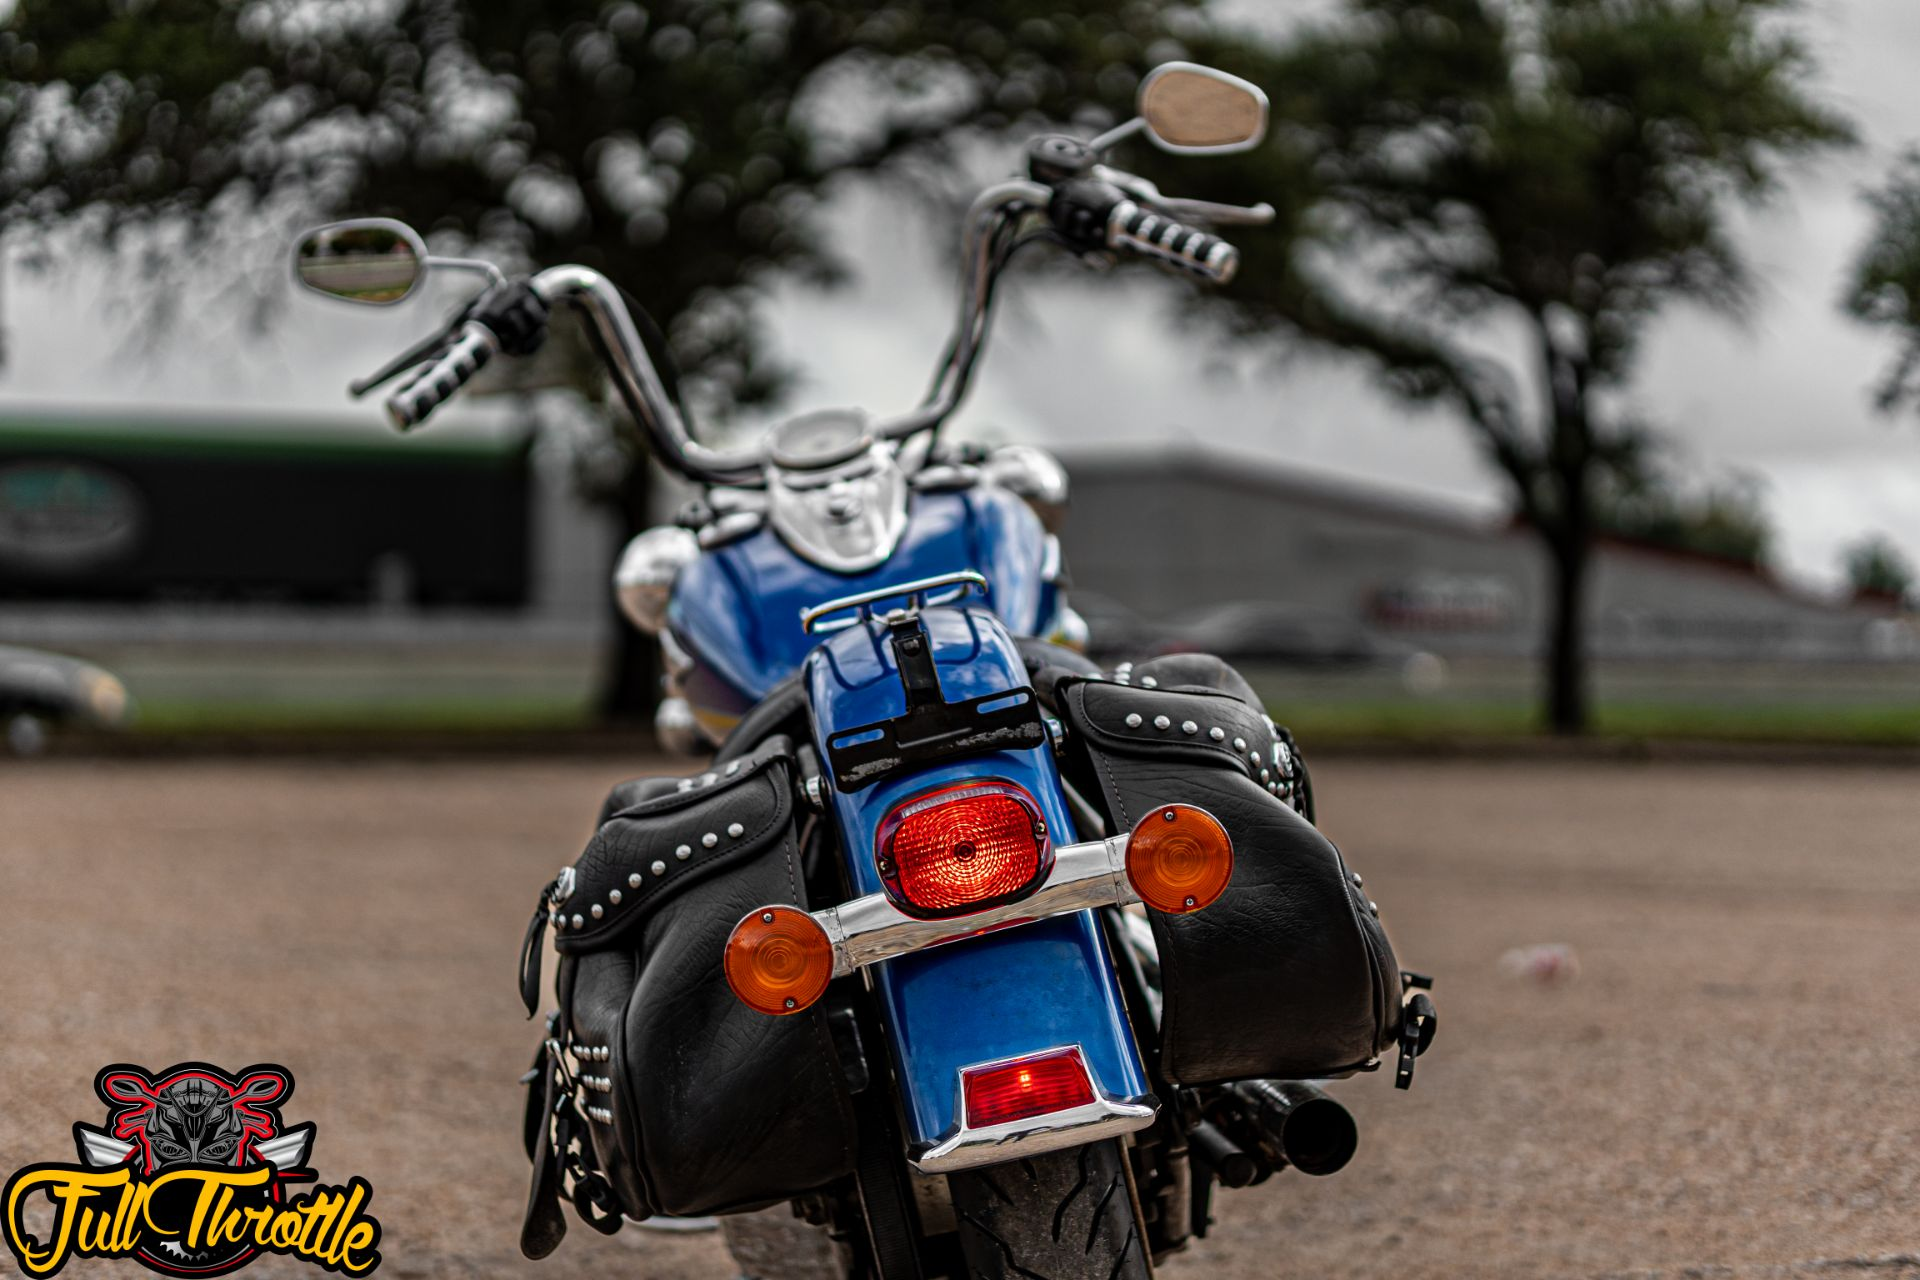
(190, 1176)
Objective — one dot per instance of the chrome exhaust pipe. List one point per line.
(1295, 1123)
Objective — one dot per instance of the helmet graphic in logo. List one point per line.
(194, 1115)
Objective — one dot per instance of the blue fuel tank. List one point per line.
(736, 609)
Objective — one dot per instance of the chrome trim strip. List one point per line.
(916, 592)
(1098, 1120)
(871, 929)
(965, 1148)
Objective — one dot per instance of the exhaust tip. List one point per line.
(1319, 1136)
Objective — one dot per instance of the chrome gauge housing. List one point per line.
(836, 496)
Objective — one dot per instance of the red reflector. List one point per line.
(963, 848)
(1047, 1082)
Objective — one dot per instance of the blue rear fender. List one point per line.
(1006, 994)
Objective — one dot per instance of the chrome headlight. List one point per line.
(644, 579)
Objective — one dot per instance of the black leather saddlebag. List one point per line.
(1289, 974)
(659, 1091)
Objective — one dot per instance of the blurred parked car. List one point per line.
(1271, 631)
(38, 690)
(1116, 630)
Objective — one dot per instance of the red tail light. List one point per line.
(963, 848)
(1025, 1087)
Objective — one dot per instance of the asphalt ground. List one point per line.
(1726, 1089)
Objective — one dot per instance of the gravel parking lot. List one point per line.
(1726, 1090)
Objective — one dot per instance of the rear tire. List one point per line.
(1068, 1215)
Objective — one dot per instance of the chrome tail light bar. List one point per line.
(1178, 859)
(870, 929)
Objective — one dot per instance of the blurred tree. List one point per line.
(1725, 519)
(1488, 199)
(1877, 570)
(678, 146)
(1884, 287)
(1491, 200)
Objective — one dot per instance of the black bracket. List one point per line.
(931, 728)
(1418, 1023)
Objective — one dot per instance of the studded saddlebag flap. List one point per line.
(691, 1102)
(1289, 974)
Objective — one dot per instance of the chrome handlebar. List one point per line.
(638, 381)
(641, 388)
(1019, 205)
(999, 205)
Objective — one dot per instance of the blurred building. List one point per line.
(152, 510)
(220, 558)
(223, 557)
(1177, 531)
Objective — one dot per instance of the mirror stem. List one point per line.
(1118, 134)
(493, 274)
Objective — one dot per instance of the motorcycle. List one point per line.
(986, 960)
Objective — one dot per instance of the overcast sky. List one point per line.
(1783, 396)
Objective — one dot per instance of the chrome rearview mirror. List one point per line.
(1195, 110)
(377, 261)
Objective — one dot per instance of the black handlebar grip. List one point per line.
(454, 368)
(1131, 229)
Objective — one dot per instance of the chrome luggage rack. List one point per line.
(918, 594)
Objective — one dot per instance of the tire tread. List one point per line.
(1063, 1216)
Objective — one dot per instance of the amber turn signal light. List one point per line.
(1179, 859)
(778, 960)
